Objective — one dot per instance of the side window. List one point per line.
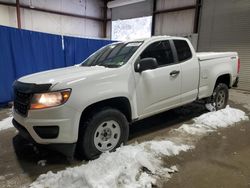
(161, 51)
(183, 50)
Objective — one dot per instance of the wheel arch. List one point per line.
(120, 103)
(225, 79)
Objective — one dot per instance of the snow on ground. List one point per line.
(138, 165)
(122, 168)
(211, 121)
(6, 123)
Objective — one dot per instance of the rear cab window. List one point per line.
(183, 50)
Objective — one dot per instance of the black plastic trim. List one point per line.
(235, 84)
(23, 93)
(22, 130)
(66, 149)
(30, 87)
(47, 132)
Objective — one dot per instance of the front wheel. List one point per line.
(104, 131)
(220, 96)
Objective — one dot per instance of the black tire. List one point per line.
(220, 96)
(86, 144)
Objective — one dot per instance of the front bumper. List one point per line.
(61, 123)
(55, 128)
(66, 149)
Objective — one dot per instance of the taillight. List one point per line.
(238, 66)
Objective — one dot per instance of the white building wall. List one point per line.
(8, 16)
(54, 23)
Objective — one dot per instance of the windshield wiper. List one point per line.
(110, 65)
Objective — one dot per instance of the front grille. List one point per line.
(23, 93)
(22, 102)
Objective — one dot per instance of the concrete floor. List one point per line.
(221, 159)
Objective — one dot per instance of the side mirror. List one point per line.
(146, 64)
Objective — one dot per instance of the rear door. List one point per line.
(190, 70)
(159, 89)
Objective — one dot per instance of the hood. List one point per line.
(63, 74)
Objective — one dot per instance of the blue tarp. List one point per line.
(78, 49)
(24, 52)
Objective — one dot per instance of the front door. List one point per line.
(158, 89)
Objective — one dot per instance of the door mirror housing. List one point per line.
(146, 64)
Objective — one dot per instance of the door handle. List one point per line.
(174, 73)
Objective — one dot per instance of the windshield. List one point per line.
(114, 55)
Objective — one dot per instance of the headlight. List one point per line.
(50, 99)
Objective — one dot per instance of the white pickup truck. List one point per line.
(88, 107)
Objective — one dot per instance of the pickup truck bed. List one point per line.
(214, 55)
(214, 64)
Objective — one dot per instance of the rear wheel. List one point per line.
(220, 96)
(104, 131)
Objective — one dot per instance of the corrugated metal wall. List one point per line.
(225, 26)
(174, 23)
